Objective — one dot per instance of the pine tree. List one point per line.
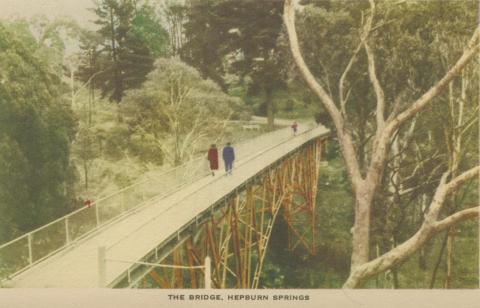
(131, 39)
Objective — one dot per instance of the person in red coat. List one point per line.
(294, 128)
(88, 203)
(213, 158)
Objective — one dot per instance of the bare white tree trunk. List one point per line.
(364, 188)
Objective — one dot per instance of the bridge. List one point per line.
(185, 229)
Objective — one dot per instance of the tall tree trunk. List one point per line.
(450, 239)
(439, 261)
(364, 187)
(85, 170)
(377, 284)
(361, 228)
(396, 282)
(90, 105)
(362, 144)
(91, 92)
(422, 262)
(117, 90)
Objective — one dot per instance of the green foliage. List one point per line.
(423, 53)
(205, 35)
(48, 40)
(330, 266)
(238, 37)
(36, 128)
(116, 142)
(175, 108)
(86, 149)
(131, 38)
(147, 28)
(170, 111)
(414, 43)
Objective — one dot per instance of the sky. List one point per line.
(77, 9)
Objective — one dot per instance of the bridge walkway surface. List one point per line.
(134, 235)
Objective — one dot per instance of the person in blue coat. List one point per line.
(228, 158)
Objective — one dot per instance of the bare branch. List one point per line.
(400, 253)
(373, 75)
(341, 83)
(384, 136)
(289, 18)
(429, 228)
(363, 36)
(468, 55)
(344, 136)
(462, 178)
(88, 81)
(444, 189)
(470, 213)
(468, 125)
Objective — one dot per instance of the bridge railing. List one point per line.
(37, 245)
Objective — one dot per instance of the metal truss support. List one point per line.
(236, 236)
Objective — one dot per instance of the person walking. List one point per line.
(88, 203)
(228, 158)
(213, 158)
(294, 128)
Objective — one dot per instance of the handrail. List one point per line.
(246, 160)
(156, 264)
(95, 203)
(109, 196)
(64, 222)
(185, 226)
(206, 268)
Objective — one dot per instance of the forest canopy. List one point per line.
(36, 129)
(87, 110)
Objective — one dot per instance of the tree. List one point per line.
(36, 128)
(388, 122)
(239, 37)
(89, 68)
(204, 39)
(86, 150)
(177, 108)
(132, 37)
(148, 29)
(175, 15)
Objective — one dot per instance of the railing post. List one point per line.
(67, 233)
(208, 278)
(97, 214)
(102, 267)
(30, 254)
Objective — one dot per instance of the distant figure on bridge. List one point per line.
(213, 158)
(228, 158)
(294, 128)
(88, 203)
